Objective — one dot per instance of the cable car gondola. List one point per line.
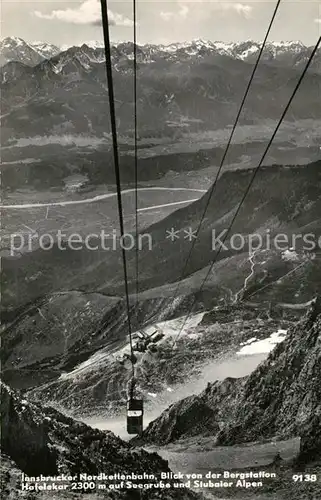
(135, 412)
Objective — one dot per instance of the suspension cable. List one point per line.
(136, 153)
(105, 23)
(211, 191)
(252, 179)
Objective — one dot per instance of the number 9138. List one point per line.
(299, 478)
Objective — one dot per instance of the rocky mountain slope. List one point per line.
(281, 398)
(51, 444)
(310, 446)
(283, 395)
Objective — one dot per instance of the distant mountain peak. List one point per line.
(94, 44)
(16, 49)
(12, 40)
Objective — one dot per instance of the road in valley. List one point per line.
(24, 215)
(108, 195)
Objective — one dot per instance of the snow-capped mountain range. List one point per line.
(239, 50)
(287, 52)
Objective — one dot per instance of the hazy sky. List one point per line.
(62, 22)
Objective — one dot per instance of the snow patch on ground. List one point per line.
(254, 346)
(290, 255)
(248, 52)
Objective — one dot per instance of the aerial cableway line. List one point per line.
(252, 179)
(134, 406)
(136, 151)
(105, 23)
